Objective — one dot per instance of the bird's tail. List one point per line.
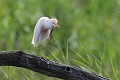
(34, 43)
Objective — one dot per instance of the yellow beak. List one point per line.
(57, 26)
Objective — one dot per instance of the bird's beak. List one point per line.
(57, 26)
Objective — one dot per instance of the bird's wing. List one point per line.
(37, 31)
(44, 33)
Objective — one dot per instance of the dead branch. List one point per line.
(45, 66)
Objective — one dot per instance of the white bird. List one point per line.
(43, 29)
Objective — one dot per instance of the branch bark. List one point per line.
(45, 66)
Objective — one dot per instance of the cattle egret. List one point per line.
(43, 29)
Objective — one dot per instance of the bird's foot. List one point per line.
(42, 57)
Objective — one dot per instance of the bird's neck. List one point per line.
(48, 25)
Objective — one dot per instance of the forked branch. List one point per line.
(45, 66)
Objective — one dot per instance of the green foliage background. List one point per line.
(89, 35)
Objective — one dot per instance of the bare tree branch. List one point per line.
(45, 66)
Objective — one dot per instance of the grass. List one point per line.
(88, 37)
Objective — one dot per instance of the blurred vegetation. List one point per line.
(89, 35)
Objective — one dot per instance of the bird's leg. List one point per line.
(51, 36)
(52, 29)
(41, 53)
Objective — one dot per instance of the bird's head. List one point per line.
(55, 23)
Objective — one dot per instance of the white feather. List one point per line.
(37, 36)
